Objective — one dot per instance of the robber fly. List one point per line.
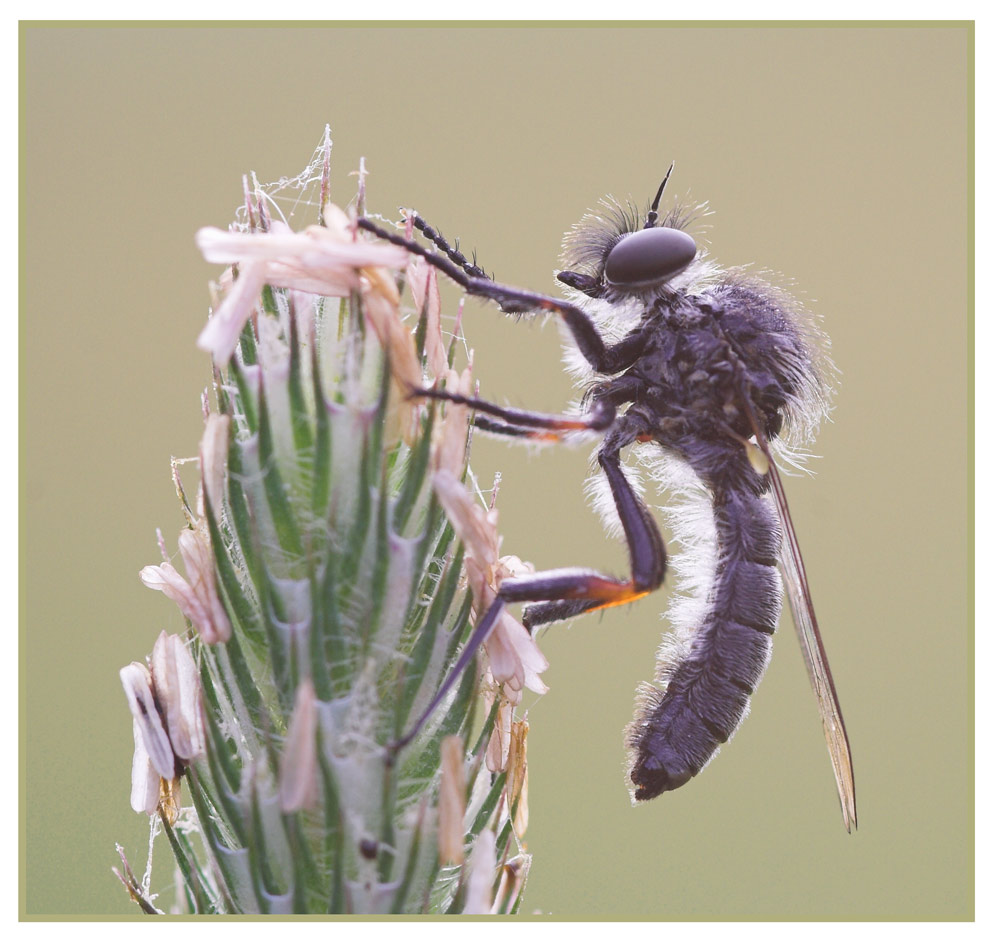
(701, 369)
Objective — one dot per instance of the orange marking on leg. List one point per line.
(572, 424)
(611, 593)
(618, 602)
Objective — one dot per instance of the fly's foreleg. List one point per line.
(529, 425)
(599, 415)
(603, 358)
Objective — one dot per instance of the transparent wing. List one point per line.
(793, 571)
(797, 587)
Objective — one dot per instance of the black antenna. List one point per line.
(651, 215)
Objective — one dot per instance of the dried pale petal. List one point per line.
(451, 802)
(498, 747)
(164, 577)
(515, 659)
(480, 582)
(327, 282)
(297, 788)
(511, 566)
(319, 260)
(505, 664)
(222, 247)
(222, 332)
(480, 873)
(423, 282)
(395, 338)
(520, 821)
(418, 276)
(196, 596)
(199, 565)
(178, 691)
(475, 527)
(318, 248)
(382, 283)
(503, 892)
(214, 451)
(516, 785)
(322, 264)
(145, 779)
(337, 222)
(452, 434)
(138, 685)
(533, 662)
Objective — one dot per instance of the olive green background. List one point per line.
(837, 156)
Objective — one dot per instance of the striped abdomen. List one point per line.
(710, 675)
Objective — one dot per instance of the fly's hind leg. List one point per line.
(564, 592)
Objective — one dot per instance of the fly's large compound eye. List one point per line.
(649, 256)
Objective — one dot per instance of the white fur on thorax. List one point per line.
(694, 548)
(614, 319)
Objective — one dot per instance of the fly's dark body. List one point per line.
(713, 366)
(700, 356)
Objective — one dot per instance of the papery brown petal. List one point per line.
(451, 436)
(395, 338)
(170, 798)
(517, 776)
(451, 802)
(423, 282)
(498, 747)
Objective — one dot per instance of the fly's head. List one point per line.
(621, 254)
